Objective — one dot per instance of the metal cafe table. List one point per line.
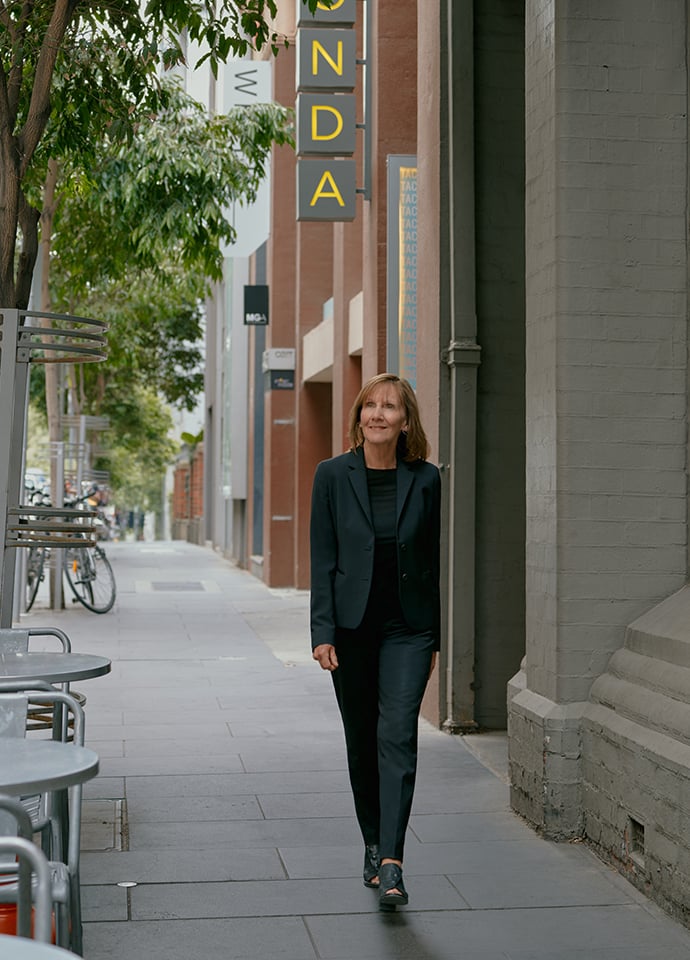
(18, 948)
(37, 766)
(53, 667)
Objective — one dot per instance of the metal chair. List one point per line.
(16, 639)
(27, 862)
(64, 821)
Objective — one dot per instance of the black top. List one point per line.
(384, 601)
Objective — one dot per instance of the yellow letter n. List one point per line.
(336, 65)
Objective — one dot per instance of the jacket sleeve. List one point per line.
(324, 558)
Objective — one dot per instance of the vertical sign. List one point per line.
(326, 115)
(402, 266)
(256, 305)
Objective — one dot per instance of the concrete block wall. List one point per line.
(606, 155)
(636, 749)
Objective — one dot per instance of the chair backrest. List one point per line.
(14, 708)
(16, 639)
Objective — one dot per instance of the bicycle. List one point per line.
(90, 576)
(86, 569)
(35, 564)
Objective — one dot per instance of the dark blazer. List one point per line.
(342, 545)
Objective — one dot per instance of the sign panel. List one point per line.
(326, 59)
(402, 267)
(278, 358)
(326, 124)
(342, 13)
(279, 380)
(256, 305)
(326, 189)
(245, 82)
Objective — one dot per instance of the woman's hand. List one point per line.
(326, 656)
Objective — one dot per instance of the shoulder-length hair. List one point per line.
(412, 443)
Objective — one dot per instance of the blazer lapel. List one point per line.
(405, 478)
(358, 479)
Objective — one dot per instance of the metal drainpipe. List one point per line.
(462, 355)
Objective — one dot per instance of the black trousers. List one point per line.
(382, 673)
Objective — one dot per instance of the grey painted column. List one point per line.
(461, 353)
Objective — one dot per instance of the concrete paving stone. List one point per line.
(278, 730)
(496, 857)
(470, 796)
(266, 756)
(442, 828)
(226, 785)
(191, 747)
(104, 788)
(104, 903)
(452, 935)
(308, 863)
(478, 858)
(547, 888)
(244, 833)
(277, 898)
(248, 709)
(96, 712)
(138, 766)
(176, 809)
(284, 938)
(202, 727)
(181, 865)
(106, 748)
(294, 806)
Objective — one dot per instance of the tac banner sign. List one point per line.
(326, 112)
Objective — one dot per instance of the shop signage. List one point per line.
(326, 112)
(256, 305)
(341, 13)
(278, 367)
(326, 124)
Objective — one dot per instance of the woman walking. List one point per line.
(375, 609)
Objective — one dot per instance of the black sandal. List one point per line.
(393, 892)
(371, 866)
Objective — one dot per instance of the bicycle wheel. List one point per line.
(79, 574)
(34, 574)
(90, 577)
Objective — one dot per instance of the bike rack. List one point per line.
(26, 337)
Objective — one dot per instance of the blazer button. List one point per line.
(404, 577)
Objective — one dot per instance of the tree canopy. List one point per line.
(50, 78)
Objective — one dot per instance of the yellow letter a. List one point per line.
(321, 192)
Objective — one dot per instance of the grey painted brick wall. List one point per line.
(606, 388)
(606, 329)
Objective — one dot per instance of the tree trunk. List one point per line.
(52, 370)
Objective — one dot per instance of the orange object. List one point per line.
(8, 920)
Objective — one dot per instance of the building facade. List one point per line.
(520, 253)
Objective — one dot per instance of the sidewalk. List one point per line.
(221, 825)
